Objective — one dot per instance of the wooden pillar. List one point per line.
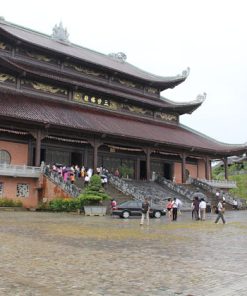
(38, 149)
(95, 143)
(85, 158)
(137, 169)
(210, 169)
(183, 157)
(148, 152)
(225, 160)
(38, 135)
(207, 168)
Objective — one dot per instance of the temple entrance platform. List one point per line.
(69, 254)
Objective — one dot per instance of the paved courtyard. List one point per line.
(69, 254)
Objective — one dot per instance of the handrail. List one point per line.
(56, 178)
(221, 183)
(228, 197)
(19, 170)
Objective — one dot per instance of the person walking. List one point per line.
(169, 208)
(202, 209)
(145, 211)
(192, 209)
(196, 208)
(174, 209)
(220, 211)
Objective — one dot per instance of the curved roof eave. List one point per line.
(90, 56)
(186, 107)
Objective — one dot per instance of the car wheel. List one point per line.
(157, 214)
(125, 214)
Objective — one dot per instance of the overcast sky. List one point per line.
(163, 37)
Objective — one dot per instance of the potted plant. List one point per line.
(93, 197)
(126, 172)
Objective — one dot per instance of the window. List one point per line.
(4, 157)
(1, 189)
(22, 190)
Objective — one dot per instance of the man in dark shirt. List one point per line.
(145, 211)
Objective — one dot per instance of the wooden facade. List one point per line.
(67, 104)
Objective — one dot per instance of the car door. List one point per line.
(137, 208)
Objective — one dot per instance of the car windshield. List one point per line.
(131, 203)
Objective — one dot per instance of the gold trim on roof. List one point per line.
(3, 45)
(6, 77)
(38, 57)
(48, 88)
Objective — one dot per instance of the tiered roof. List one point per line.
(15, 105)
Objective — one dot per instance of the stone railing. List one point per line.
(176, 187)
(125, 187)
(220, 183)
(19, 171)
(56, 178)
(207, 186)
(156, 193)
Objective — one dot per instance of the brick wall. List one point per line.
(10, 190)
(51, 190)
(17, 151)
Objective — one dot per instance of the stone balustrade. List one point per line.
(19, 171)
(220, 183)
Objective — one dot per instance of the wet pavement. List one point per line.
(69, 254)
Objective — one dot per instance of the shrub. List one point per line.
(7, 202)
(126, 172)
(94, 194)
(64, 205)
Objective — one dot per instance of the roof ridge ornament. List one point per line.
(60, 33)
(201, 97)
(119, 56)
(185, 73)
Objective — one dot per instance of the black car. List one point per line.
(134, 208)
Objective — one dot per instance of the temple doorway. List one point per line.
(143, 170)
(168, 171)
(76, 158)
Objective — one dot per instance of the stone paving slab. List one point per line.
(68, 254)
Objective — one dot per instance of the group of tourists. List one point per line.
(74, 172)
(199, 209)
(173, 207)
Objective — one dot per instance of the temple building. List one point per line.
(63, 103)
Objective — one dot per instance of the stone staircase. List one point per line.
(155, 192)
(211, 192)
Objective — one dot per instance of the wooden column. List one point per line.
(210, 169)
(85, 158)
(38, 149)
(183, 157)
(95, 143)
(39, 135)
(148, 152)
(225, 160)
(137, 169)
(207, 168)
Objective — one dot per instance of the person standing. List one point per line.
(196, 208)
(174, 209)
(221, 210)
(145, 211)
(192, 209)
(113, 205)
(202, 209)
(235, 204)
(169, 208)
